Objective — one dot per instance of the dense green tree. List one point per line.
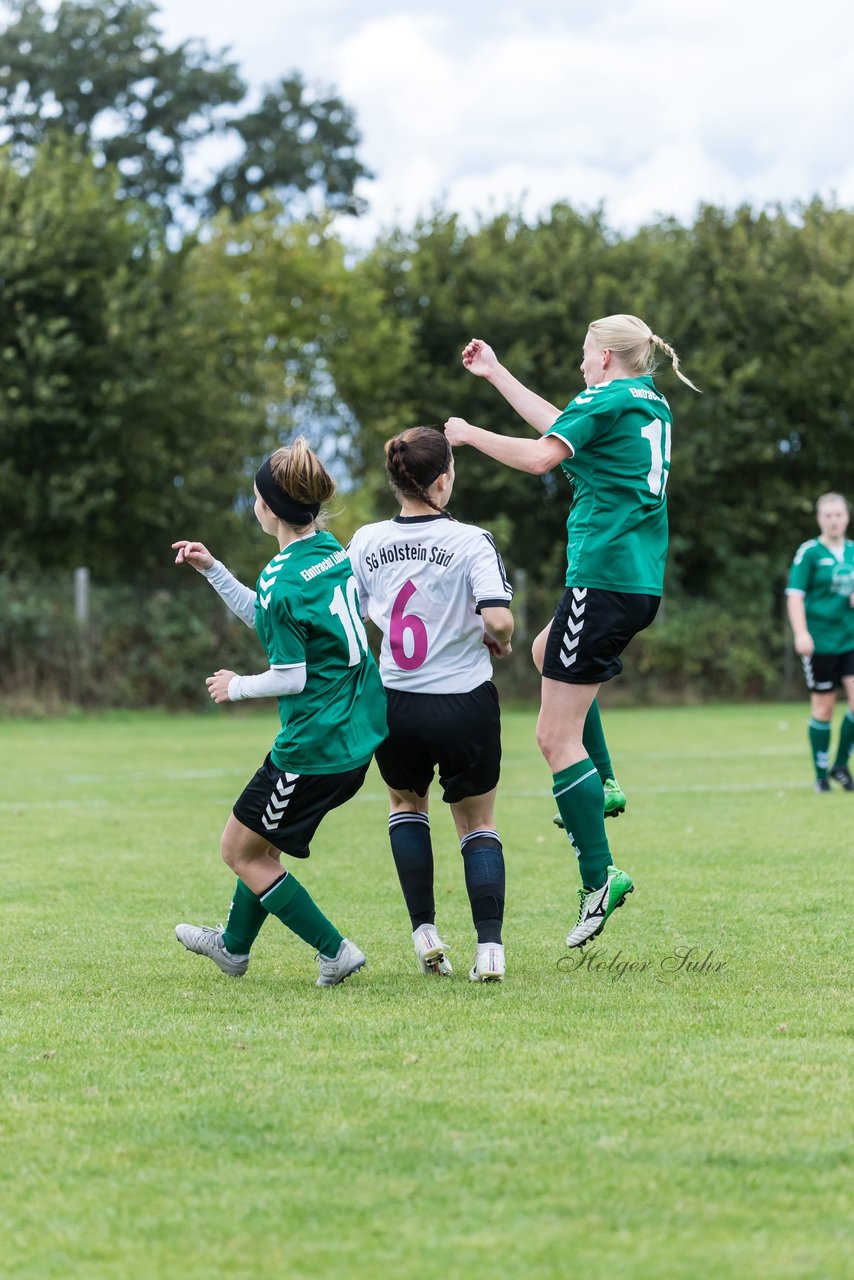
(99, 72)
(296, 141)
(767, 302)
(325, 342)
(759, 305)
(527, 290)
(141, 385)
(124, 413)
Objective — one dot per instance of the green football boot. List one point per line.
(615, 802)
(595, 907)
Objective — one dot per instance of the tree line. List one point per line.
(148, 362)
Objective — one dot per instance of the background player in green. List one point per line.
(820, 601)
(331, 707)
(613, 444)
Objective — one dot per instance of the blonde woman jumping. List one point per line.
(612, 442)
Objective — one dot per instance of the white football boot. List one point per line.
(430, 950)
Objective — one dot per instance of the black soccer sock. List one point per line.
(483, 861)
(412, 851)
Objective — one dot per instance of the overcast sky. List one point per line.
(648, 106)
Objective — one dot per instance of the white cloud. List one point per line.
(650, 105)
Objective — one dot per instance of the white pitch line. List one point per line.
(366, 797)
(190, 775)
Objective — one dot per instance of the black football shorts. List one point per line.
(824, 672)
(287, 808)
(457, 733)
(591, 628)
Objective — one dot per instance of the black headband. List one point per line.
(281, 503)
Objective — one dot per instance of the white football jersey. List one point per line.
(423, 580)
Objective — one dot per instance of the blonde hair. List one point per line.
(832, 497)
(298, 470)
(634, 344)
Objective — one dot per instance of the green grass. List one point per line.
(161, 1120)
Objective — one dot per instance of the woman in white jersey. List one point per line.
(438, 591)
(612, 442)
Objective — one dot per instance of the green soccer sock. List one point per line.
(819, 731)
(289, 902)
(580, 801)
(245, 917)
(846, 741)
(593, 741)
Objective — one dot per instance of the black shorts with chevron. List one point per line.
(824, 672)
(287, 808)
(591, 628)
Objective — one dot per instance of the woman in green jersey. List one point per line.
(331, 707)
(612, 442)
(820, 602)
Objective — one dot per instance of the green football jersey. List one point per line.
(827, 582)
(617, 526)
(307, 610)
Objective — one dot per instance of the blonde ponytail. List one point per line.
(299, 471)
(633, 343)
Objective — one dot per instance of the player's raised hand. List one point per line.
(194, 553)
(456, 431)
(218, 685)
(479, 358)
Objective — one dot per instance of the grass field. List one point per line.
(161, 1120)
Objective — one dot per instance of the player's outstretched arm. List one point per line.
(481, 360)
(240, 599)
(534, 456)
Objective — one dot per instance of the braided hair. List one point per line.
(414, 460)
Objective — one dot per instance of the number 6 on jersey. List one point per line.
(401, 623)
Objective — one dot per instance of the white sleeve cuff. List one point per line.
(278, 682)
(795, 591)
(240, 600)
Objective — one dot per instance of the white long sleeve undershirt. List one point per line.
(240, 599)
(277, 682)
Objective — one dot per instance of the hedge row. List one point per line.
(152, 645)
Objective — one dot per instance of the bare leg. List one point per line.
(250, 856)
(560, 726)
(848, 686)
